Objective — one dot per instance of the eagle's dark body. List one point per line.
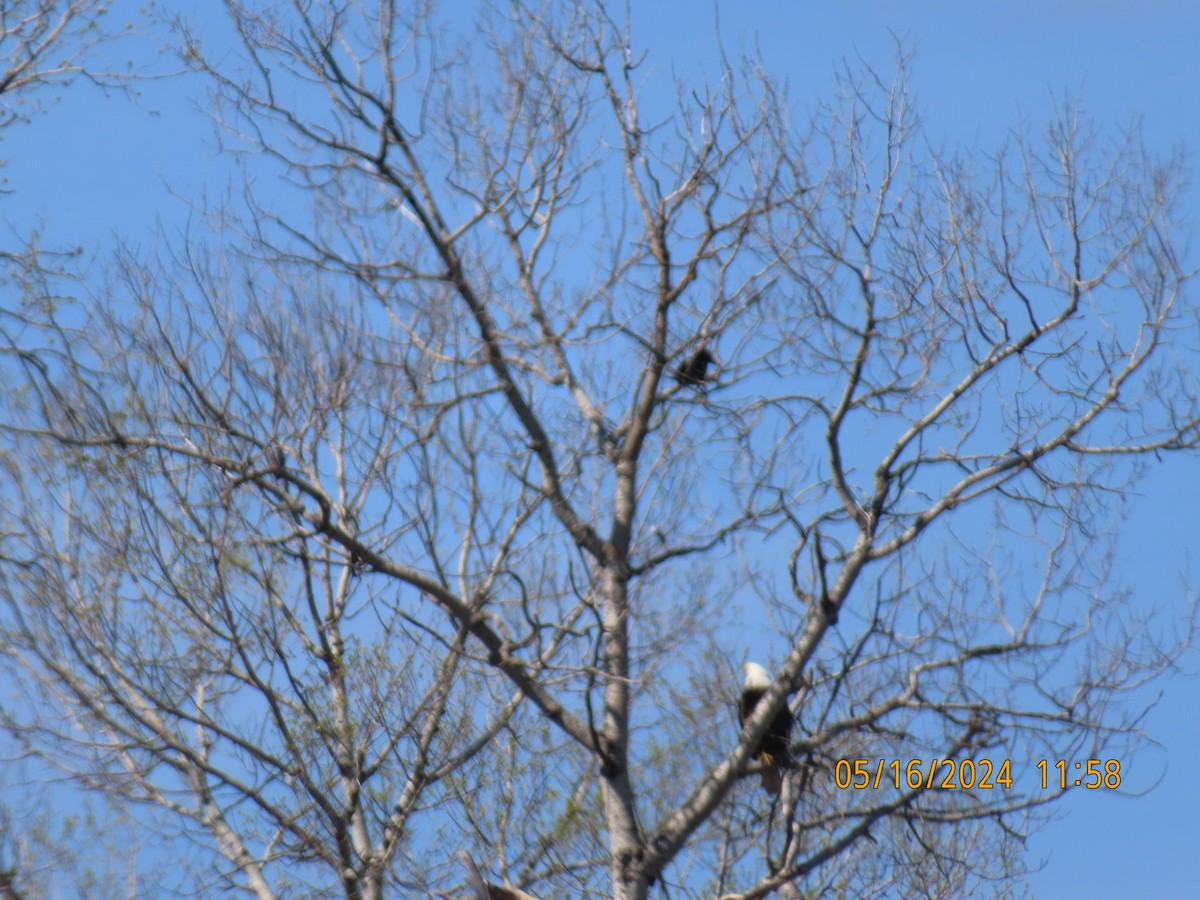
(694, 370)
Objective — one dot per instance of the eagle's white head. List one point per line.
(757, 678)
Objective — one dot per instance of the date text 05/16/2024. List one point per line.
(967, 774)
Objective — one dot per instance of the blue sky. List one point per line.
(93, 166)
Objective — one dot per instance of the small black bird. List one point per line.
(693, 370)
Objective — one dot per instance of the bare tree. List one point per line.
(381, 532)
(44, 46)
(45, 43)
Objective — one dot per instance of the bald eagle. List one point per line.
(694, 370)
(772, 751)
(481, 890)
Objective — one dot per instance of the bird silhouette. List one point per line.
(693, 371)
